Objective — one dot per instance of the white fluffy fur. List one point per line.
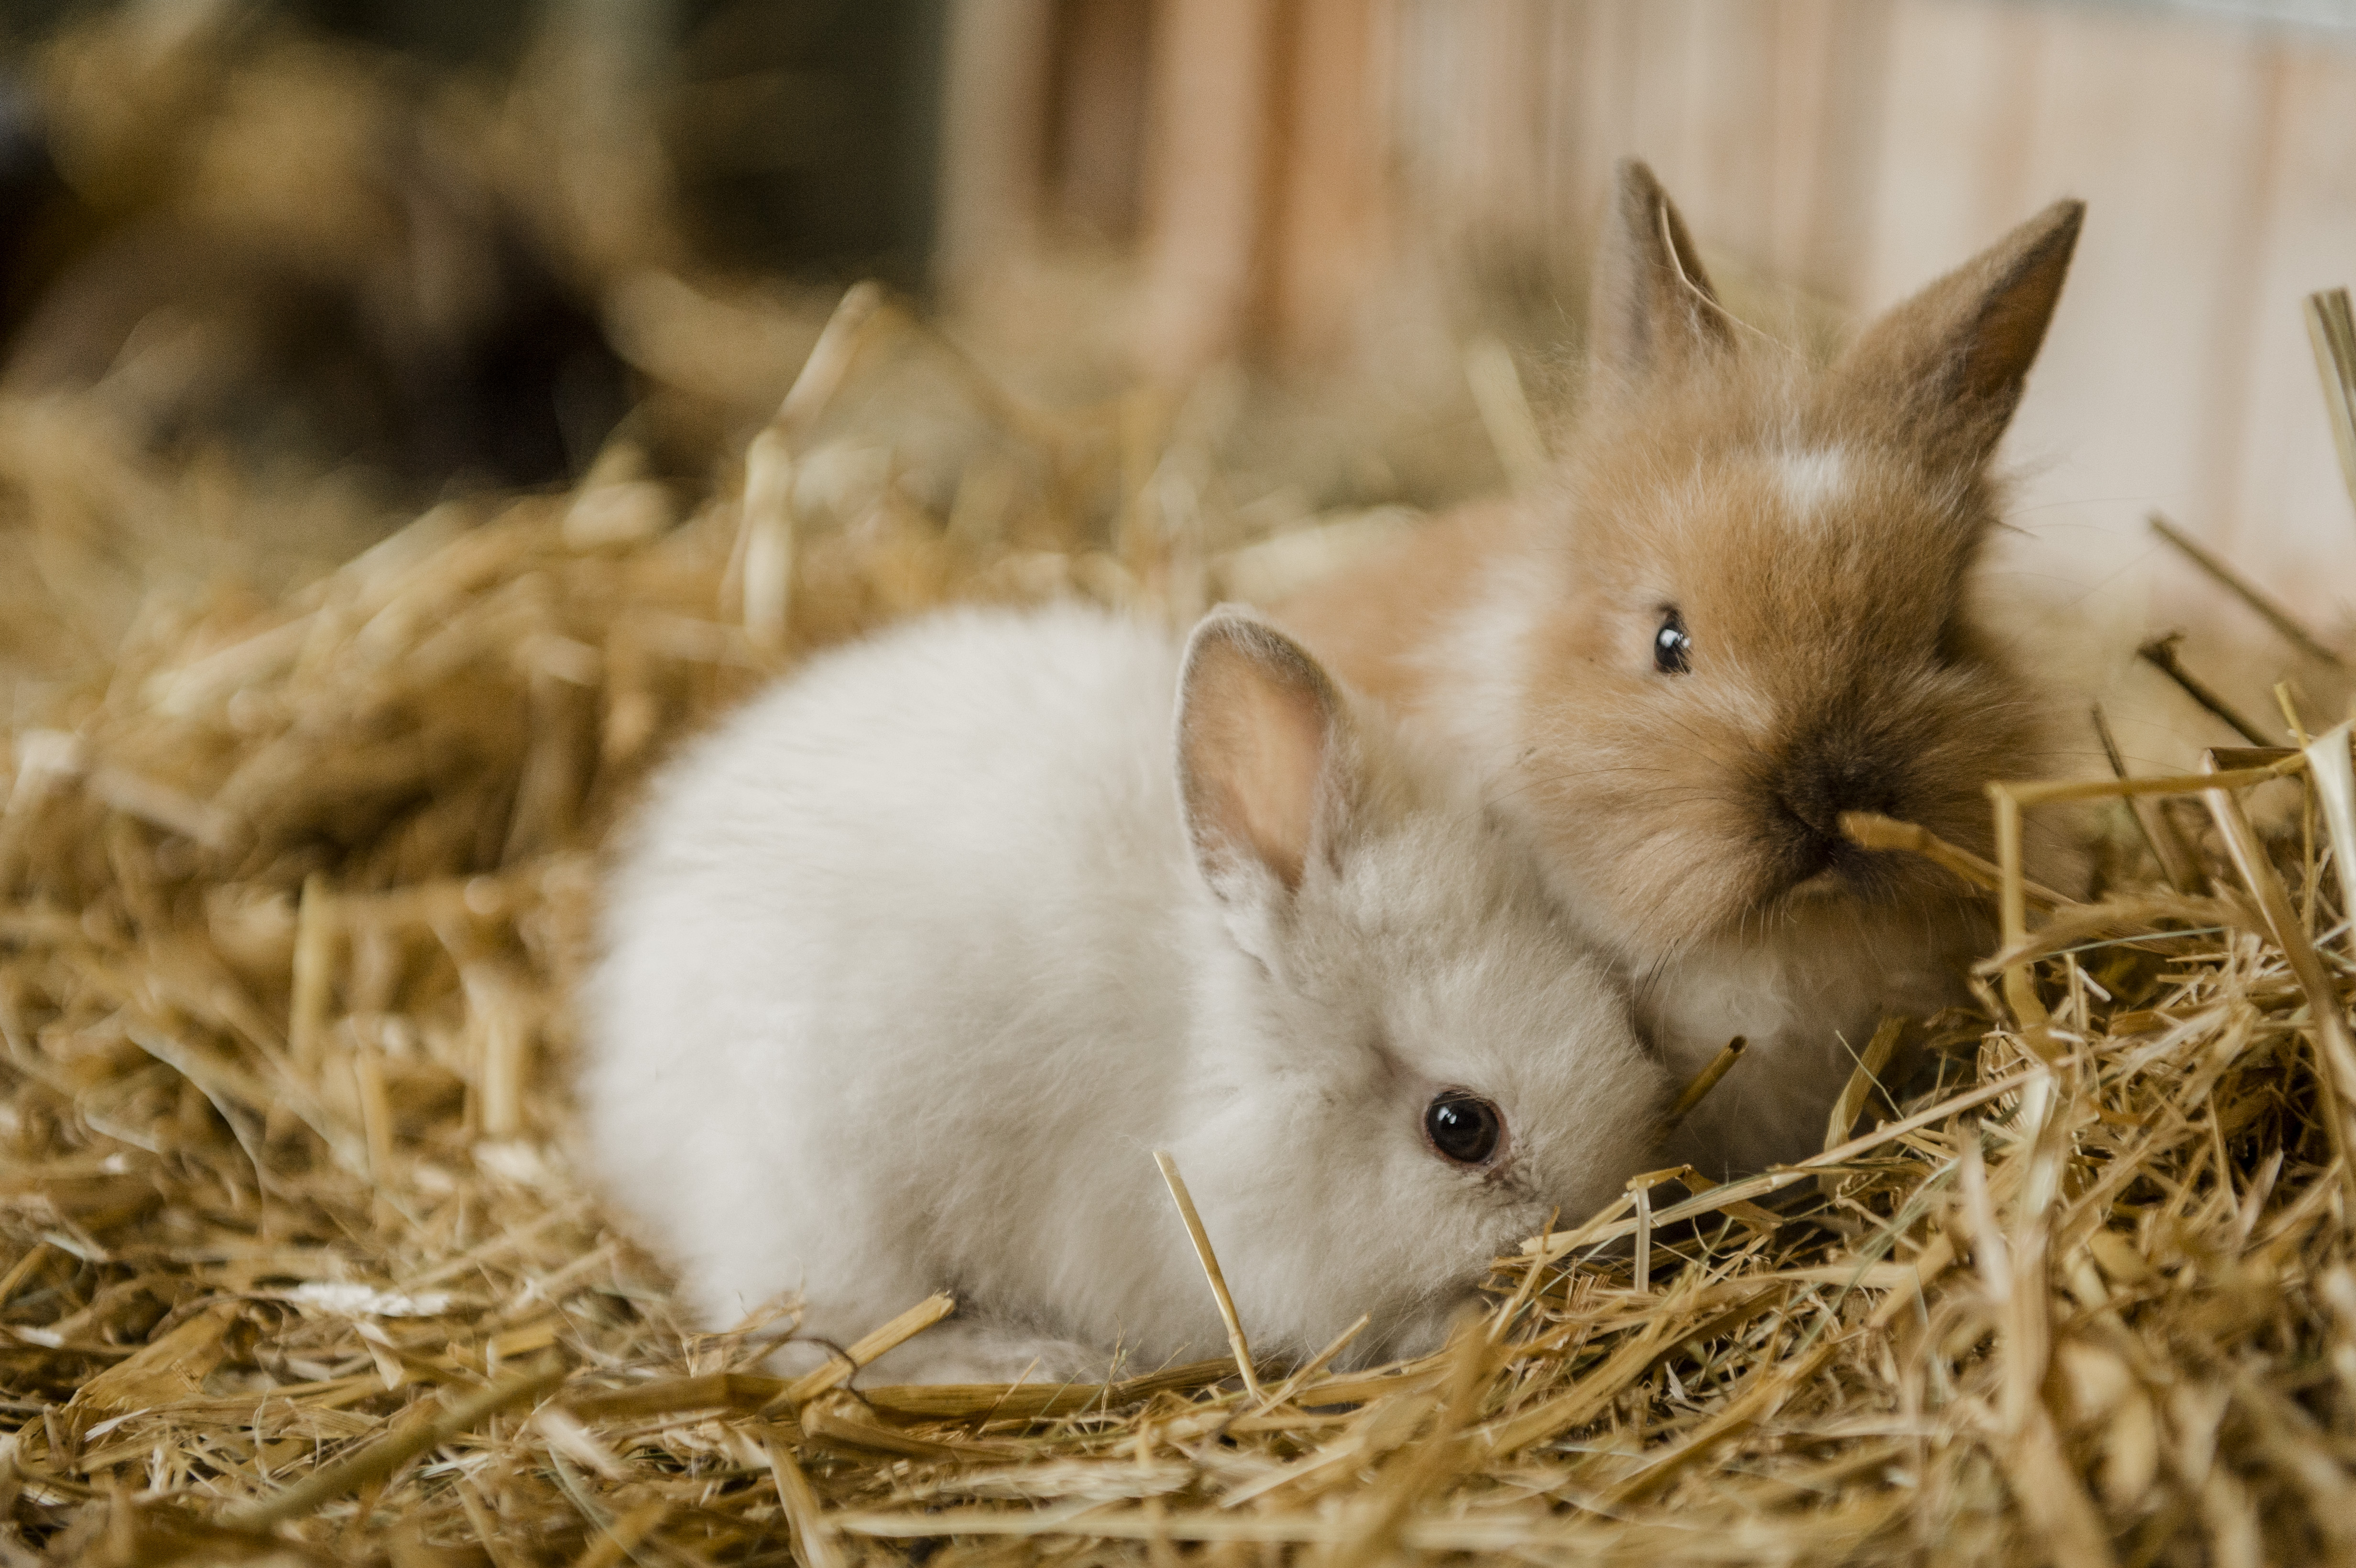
(1806, 994)
(913, 966)
(1813, 480)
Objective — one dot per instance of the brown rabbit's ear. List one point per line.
(1652, 309)
(1264, 753)
(1950, 362)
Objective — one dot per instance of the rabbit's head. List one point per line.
(1411, 1065)
(1751, 608)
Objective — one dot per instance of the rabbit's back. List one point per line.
(917, 904)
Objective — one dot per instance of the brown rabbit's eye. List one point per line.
(1672, 648)
(1463, 1127)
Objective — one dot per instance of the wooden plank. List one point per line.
(1569, 193)
(1958, 95)
(1802, 89)
(2251, 195)
(992, 109)
(1588, 53)
(1831, 85)
(1665, 82)
(1095, 115)
(1207, 150)
(1729, 140)
(1328, 240)
(2292, 530)
(2158, 123)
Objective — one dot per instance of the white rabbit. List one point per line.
(917, 959)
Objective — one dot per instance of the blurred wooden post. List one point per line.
(993, 140)
(1327, 238)
(1265, 178)
(1095, 113)
(1246, 140)
(1211, 143)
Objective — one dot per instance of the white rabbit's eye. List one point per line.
(1463, 1127)
(1672, 648)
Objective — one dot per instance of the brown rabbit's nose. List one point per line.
(1813, 789)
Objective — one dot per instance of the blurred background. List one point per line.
(304, 268)
(1307, 181)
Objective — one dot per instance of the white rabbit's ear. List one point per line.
(1949, 363)
(1651, 308)
(1263, 746)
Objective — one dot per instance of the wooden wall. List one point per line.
(1300, 156)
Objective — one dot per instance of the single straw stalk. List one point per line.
(1698, 1089)
(2012, 908)
(1285, 1391)
(815, 1543)
(2267, 608)
(2174, 857)
(1863, 1080)
(2331, 331)
(867, 1347)
(314, 935)
(1871, 830)
(2329, 763)
(1210, 1262)
(2160, 654)
(1505, 412)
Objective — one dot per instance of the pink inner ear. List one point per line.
(1273, 777)
(1254, 749)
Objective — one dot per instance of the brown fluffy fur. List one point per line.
(1815, 530)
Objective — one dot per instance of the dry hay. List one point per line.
(297, 1267)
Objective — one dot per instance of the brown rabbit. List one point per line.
(1742, 607)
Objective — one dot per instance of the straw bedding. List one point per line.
(295, 1265)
